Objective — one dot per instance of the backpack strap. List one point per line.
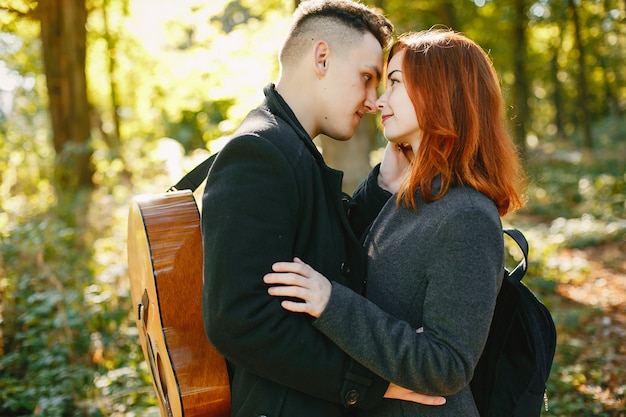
(195, 177)
(518, 273)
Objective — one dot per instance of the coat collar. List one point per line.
(332, 178)
(279, 107)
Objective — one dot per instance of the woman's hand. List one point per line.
(395, 165)
(396, 392)
(298, 280)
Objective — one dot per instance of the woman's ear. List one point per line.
(321, 53)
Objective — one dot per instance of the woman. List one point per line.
(436, 251)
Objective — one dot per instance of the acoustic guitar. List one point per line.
(165, 267)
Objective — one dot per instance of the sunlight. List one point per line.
(149, 18)
(190, 70)
(189, 45)
(9, 81)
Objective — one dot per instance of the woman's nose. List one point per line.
(382, 101)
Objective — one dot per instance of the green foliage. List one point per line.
(68, 346)
(578, 205)
(570, 190)
(191, 71)
(49, 339)
(195, 129)
(574, 203)
(65, 336)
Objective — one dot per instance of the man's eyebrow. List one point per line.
(376, 71)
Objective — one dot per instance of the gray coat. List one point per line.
(439, 268)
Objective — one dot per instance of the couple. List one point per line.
(302, 336)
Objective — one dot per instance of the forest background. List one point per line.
(101, 100)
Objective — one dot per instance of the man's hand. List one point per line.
(396, 164)
(396, 392)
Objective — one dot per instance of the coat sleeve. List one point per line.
(249, 221)
(463, 274)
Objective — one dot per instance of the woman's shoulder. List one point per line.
(463, 205)
(465, 195)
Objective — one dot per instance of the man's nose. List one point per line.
(371, 102)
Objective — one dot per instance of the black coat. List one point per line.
(270, 197)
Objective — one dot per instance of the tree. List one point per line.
(583, 88)
(63, 39)
(520, 88)
(556, 94)
(63, 44)
(607, 53)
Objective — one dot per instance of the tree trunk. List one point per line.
(63, 36)
(447, 16)
(557, 99)
(111, 40)
(520, 88)
(583, 88)
(609, 75)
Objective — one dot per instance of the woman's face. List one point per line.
(398, 114)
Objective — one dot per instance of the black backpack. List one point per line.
(510, 378)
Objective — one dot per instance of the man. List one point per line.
(270, 196)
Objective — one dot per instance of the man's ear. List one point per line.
(321, 53)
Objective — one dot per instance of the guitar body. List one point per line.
(165, 269)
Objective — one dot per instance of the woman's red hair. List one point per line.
(459, 106)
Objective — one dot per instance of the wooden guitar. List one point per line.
(165, 269)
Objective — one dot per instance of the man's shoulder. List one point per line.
(262, 122)
(267, 129)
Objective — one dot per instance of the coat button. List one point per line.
(351, 397)
(345, 269)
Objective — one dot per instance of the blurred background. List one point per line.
(102, 100)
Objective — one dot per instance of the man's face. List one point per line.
(350, 88)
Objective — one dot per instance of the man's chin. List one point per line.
(340, 136)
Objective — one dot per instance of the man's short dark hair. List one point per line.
(341, 20)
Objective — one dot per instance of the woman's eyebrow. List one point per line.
(393, 72)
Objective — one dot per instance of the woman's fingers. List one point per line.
(297, 280)
(294, 292)
(288, 267)
(289, 285)
(295, 267)
(284, 278)
(295, 307)
(427, 399)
